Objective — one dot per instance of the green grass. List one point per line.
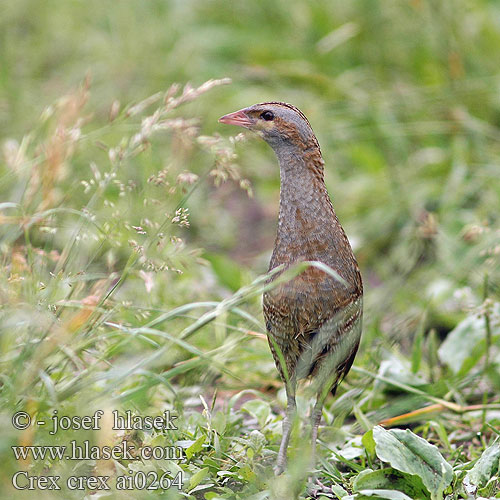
(135, 240)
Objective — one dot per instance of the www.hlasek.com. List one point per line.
(138, 480)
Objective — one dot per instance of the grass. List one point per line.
(135, 241)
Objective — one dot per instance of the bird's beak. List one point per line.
(239, 118)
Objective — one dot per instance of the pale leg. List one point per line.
(287, 428)
(315, 420)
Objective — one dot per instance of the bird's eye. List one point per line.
(267, 115)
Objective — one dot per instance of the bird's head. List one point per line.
(279, 124)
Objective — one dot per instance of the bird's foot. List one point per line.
(316, 489)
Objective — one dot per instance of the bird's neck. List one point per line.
(304, 201)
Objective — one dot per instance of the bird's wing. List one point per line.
(331, 350)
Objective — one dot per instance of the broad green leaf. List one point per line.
(487, 466)
(198, 477)
(352, 449)
(338, 491)
(390, 479)
(462, 347)
(258, 409)
(247, 473)
(212, 496)
(195, 447)
(369, 443)
(410, 453)
(384, 494)
(257, 440)
(491, 487)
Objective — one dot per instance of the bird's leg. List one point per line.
(315, 486)
(315, 420)
(287, 426)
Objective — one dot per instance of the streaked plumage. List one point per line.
(315, 318)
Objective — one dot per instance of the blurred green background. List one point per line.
(405, 100)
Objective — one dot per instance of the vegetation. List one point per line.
(135, 241)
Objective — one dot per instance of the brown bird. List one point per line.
(314, 319)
